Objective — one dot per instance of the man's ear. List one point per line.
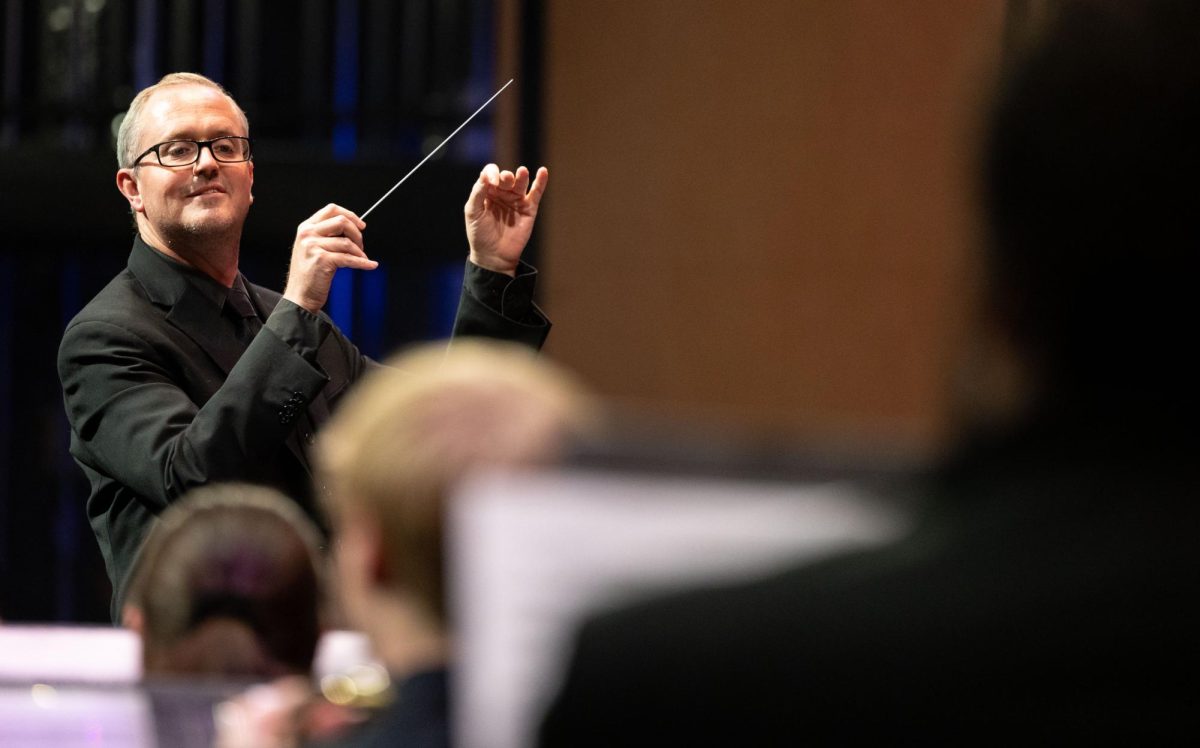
(361, 549)
(375, 555)
(251, 165)
(128, 185)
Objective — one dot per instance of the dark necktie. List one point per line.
(248, 323)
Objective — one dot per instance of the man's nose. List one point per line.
(205, 161)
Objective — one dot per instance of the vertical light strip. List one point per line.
(10, 127)
(145, 45)
(68, 515)
(345, 138)
(213, 14)
(345, 80)
(373, 287)
(7, 427)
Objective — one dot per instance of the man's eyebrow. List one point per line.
(191, 135)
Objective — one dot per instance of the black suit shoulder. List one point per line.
(122, 303)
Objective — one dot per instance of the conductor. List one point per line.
(181, 372)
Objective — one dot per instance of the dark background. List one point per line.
(343, 97)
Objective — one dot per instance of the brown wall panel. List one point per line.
(763, 208)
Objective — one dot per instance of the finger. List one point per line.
(522, 184)
(479, 192)
(490, 175)
(346, 260)
(539, 186)
(511, 189)
(508, 201)
(338, 225)
(333, 209)
(337, 254)
(337, 245)
(326, 212)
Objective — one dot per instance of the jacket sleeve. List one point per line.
(133, 420)
(493, 305)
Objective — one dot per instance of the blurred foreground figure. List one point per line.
(228, 585)
(1047, 594)
(390, 460)
(230, 588)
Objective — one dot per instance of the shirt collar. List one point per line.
(205, 285)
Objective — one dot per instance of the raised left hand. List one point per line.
(500, 214)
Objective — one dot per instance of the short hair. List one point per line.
(230, 553)
(130, 131)
(1090, 186)
(412, 430)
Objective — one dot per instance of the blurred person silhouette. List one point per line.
(230, 589)
(1046, 593)
(390, 460)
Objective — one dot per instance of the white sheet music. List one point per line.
(530, 553)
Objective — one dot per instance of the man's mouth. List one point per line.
(211, 189)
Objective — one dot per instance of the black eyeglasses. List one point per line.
(229, 149)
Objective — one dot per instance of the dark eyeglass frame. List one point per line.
(200, 146)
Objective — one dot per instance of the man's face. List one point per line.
(203, 199)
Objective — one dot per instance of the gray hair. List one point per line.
(130, 131)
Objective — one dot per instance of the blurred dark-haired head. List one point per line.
(229, 584)
(1091, 191)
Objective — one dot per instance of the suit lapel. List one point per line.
(187, 308)
(200, 319)
(196, 317)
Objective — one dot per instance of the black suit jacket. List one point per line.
(161, 398)
(1047, 595)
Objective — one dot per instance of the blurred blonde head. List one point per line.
(410, 432)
